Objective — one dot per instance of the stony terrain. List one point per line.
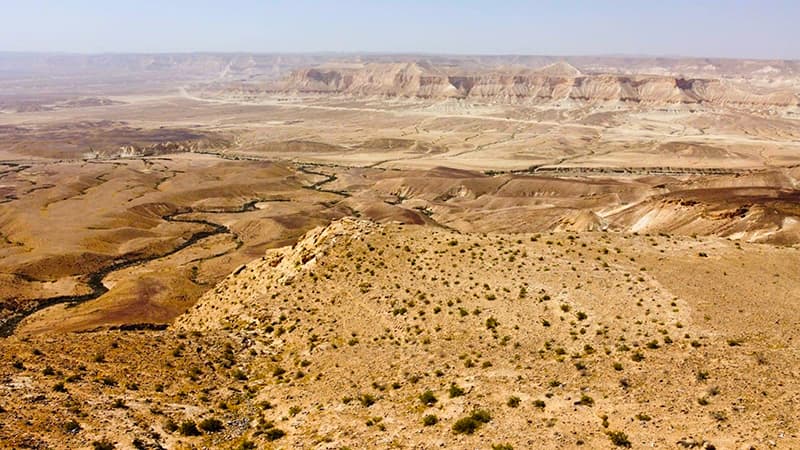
(562, 339)
(403, 251)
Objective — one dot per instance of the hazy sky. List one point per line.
(756, 29)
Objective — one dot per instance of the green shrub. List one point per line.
(456, 391)
(619, 438)
(468, 425)
(428, 398)
(430, 420)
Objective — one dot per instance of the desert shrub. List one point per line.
(468, 425)
(428, 398)
(585, 400)
(211, 425)
(502, 447)
(619, 438)
(273, 434)
(481, 415)
(513, 401)
(456, 391)
(188, 428)
(430, 420)
(719, 416)
(170, 426)
(539, 404)
(104, 444)
(71, 427)
(246, 445)
(366, 400)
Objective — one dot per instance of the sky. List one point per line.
(713, 28)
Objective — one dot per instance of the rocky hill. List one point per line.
(364, 335)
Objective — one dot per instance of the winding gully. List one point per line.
(95, 279)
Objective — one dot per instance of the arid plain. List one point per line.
(349, 251)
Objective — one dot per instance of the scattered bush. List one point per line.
(502, 447)
(619, 439)
(71, 427)
(188, 428)
(585, 400)
(456, 391)
(211, 425)
(428, 398)
(366, 400)
(104, 444)
(468, 425)
(170, 426)
(430, 420)
(273, 434)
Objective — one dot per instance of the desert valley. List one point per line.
(398, 251)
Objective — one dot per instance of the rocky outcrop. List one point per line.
(555, 83)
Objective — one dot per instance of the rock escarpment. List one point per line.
(555, 83)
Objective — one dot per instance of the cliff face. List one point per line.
(558, 82)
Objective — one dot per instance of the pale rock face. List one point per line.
(553, 83)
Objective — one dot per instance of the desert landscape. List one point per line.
(331, 251)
